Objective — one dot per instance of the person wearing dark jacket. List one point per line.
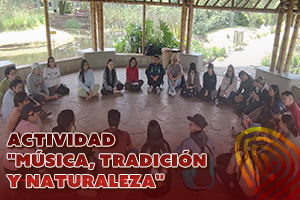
(192, 84)
(111, 84)
(155, 74)
(209, 84)
(246, 87)
(258, 97)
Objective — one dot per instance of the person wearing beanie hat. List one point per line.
(192, 84)
(209, 84)
(36, 85)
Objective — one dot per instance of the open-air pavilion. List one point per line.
(137, 109)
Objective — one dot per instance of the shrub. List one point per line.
(160, 37)
(208, 52)
(73, 23)
(266, 61)
(241, 19)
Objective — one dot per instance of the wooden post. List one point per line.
(276, 40)
(190, 27)
(144, 29)
(182, 27)
(100, 25)
(93, 26)
(49, 51)
(285, 38)
(292, 45)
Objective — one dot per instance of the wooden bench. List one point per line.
(82, 13)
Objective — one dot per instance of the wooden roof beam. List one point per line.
(246, 4)
(205, 2)
(266, 6)
(241, 1)
(226, 3)
(256, 4)
(216, 3)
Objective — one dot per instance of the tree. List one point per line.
(62, 7)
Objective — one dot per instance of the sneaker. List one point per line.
(170, 92)
(245, 121)
(158, 90)
(173, 93)
(150, 88)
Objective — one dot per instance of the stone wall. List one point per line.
(98, 60)
(66, 66)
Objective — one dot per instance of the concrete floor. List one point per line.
(137, 109)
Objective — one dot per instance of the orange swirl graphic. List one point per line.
(266, 167)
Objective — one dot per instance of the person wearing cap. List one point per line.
(245, 88)
(155, 74)
(259, 97)
(175, 75)
(228, 86)
(209, 84)
(292, 106)
(192, 83)
(29, 116)
(10, 75)
(198, 137)
(36, 85)
(8, 101)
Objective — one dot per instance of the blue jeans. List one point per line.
(252, 124)
(177, 83)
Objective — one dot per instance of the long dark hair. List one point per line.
(113, 71)
(48, 61)
(290, 124)
(64, 119)
(155, 141)
(132, 58)
(275, 88)
(233, 74)
(81, 75)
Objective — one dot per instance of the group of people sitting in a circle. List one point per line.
(258, 104)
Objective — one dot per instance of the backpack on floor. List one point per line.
(200, 178)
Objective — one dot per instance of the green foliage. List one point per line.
(18, 20)
(73, 23)
(208, 52)
(159, 36)
(19, 15)
(208, 20)
(69, 8)
(266, 61)
(241, 19)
